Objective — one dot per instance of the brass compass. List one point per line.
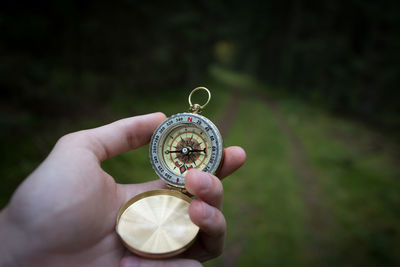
(156, 224)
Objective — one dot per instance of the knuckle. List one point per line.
(67, 139)
(220, 232)
(217, 186)
(72, 138)
(215, 225)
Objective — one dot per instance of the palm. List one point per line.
(77, 214)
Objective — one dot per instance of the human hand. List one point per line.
(64, 213)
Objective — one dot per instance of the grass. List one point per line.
(359, 177)
(261, 202)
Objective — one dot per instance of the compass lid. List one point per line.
(156, 224)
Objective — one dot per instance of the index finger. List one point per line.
(234, 157)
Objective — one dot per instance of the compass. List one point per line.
(156, 224)
(182, 142)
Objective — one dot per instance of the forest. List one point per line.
(342, 55)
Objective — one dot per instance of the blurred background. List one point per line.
(308, 88)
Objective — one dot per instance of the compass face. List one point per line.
(182, 142)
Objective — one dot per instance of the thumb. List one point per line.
(115, 138)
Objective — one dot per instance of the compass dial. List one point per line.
(186, 147)
(182, 142)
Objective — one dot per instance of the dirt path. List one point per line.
(317, 217)
(225, 122)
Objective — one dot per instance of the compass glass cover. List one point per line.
(186, 147)
(182, 142)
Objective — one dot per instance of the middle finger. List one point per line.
(205, 186)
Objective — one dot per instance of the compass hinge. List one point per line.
(182, 190)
